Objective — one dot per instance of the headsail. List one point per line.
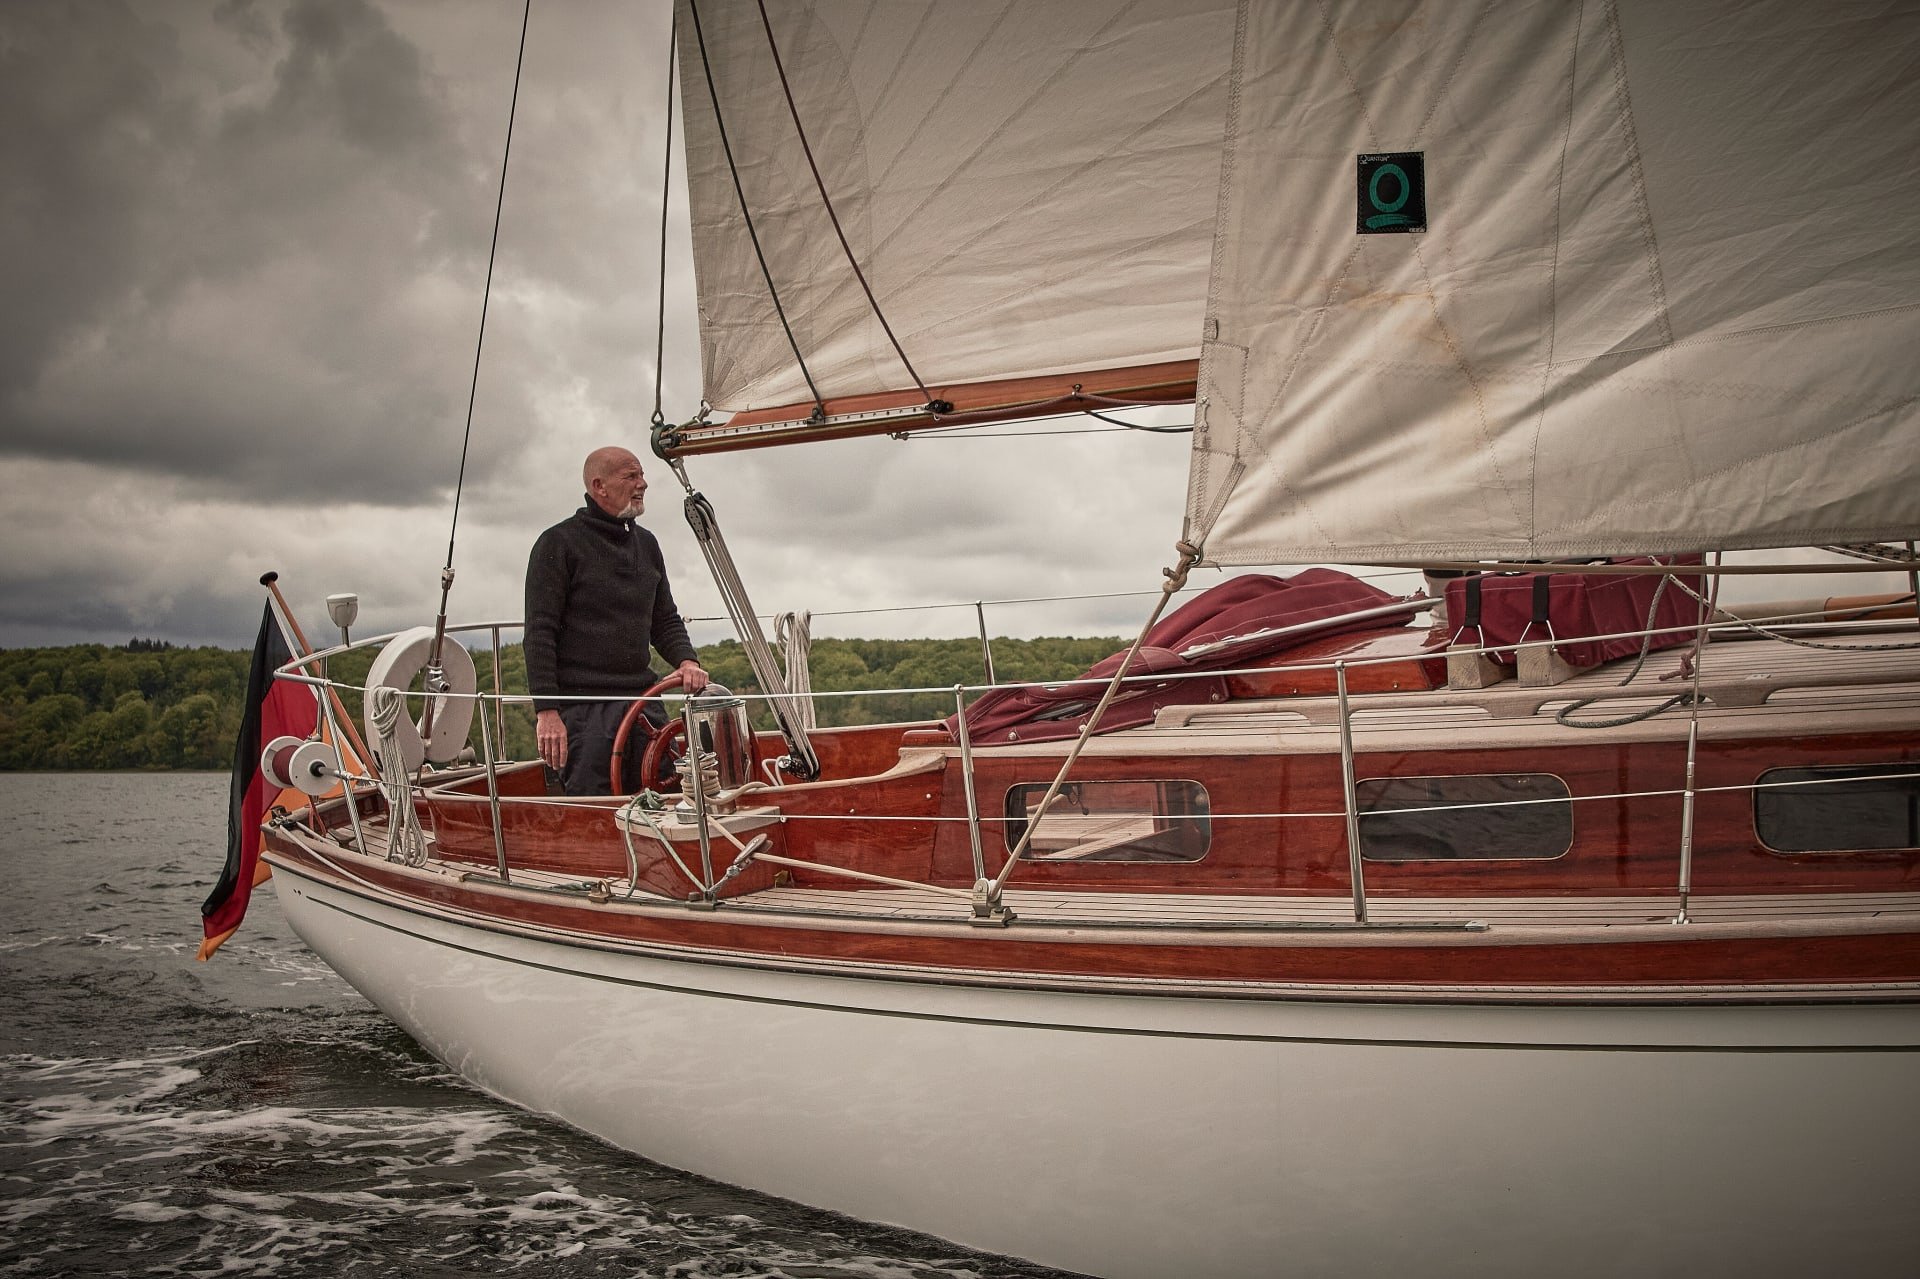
(1668, 294)
(1029, 186)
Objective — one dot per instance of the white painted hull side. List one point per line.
(1149, 1136)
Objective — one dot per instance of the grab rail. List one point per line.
(493, 737)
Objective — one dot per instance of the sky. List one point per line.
(243, 246)
(242, 254)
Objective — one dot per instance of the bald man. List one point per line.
(597, 602)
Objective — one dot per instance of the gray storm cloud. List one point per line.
(261, 244)
(242, 250)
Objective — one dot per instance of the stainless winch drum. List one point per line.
(717, 724)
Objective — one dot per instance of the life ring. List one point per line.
(399, 664)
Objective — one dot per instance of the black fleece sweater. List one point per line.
(597, 600)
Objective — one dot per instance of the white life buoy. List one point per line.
(398, 666)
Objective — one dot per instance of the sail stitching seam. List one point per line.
(1293, 366)
(1122, 254)
(1653, 496)
(793, 109)
(1067, 179)
(908, 146)
(1553, 279)
(746, 215)
(1426, 276)
(1446, 85)
(1199, 496)
(1459, 355)
(1281, 483)
(1630, 140)
(1732, 335)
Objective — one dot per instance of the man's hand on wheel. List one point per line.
(693, 678)
(551, 736)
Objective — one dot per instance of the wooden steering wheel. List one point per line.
(658, 739)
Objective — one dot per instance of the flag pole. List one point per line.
(297, 640)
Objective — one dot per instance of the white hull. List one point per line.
(1129, 1136)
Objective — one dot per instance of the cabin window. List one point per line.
(1157, 821)
(1839, 808)
(1495, 817)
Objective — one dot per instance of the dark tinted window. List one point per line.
(1113, 821)
(1469, 818)
(1838, 808)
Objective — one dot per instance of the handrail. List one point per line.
(1497, 700)
(292, 670)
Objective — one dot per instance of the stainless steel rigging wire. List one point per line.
(434, 675)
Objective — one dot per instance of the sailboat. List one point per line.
(1557, 915)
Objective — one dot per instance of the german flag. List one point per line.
(274, 708)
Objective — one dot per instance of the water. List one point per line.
(254, 1115)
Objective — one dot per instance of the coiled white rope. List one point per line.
(793, 633)
(406, 842)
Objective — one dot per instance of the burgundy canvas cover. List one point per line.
(1579, 606)
(1244, 606)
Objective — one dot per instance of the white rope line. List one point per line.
(406, 842)
(792, 632)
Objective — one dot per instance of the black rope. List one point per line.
(486, 292)
(666, 190)
(726, 147)
(774, 47)
(1138, 426)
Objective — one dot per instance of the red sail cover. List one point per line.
(274, 708)
(1251, 607)
(1574, 610)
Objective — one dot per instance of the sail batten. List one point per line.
(1663, 300)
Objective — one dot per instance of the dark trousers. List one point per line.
(590, 730)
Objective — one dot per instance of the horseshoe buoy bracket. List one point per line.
(399, 664)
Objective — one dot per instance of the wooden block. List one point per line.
(1540, 667)
(1469, 669)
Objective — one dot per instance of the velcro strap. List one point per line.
(1542, 597)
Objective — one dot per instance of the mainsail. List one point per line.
(1667, 296)
(1029, 186)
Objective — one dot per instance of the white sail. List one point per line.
(1667, 297)
(1029, 186)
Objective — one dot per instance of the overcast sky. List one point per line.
(242, 250)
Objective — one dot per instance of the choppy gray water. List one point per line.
(253, 1115)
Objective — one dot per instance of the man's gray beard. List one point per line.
(634, 508)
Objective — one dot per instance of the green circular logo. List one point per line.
(1373, 188)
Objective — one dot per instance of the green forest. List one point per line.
(150, 705)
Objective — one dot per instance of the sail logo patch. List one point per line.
(1393, 192)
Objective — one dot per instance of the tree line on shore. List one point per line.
(150, 705)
